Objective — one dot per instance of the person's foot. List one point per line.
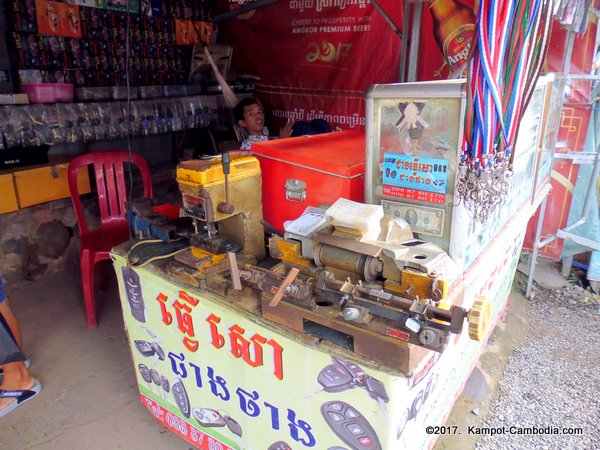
(16, 378)
(13, 398)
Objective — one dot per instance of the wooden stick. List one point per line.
(235, 272)
(291, 276)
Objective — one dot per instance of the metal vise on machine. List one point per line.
(378, 279)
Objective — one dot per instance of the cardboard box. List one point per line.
(14, 99)
(58, 19)
(45, 184)
(309, 171)
(22, 15)
(8, 195)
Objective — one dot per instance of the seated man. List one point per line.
(250, 116)
(18, 385)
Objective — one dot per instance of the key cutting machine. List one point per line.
(377, 285)
(223, 197)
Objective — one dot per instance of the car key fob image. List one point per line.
(133, 289)
(334, 378)
(181, 398)
(350, 426)
(208, 417)
(154, 375)
(354, 369)
(279, 445)
(165, 384)
(145, 372)
(158, 350)
(376, 389)
(144, 347)
(233, 425)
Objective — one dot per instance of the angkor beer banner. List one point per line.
(447, 32)
(316, 55)
(328, 44)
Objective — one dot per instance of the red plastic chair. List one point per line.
(112, 194)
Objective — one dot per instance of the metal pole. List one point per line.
(414, 42)
(404, 49)
(568, 53)
(536, 246)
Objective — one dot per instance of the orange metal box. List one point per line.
(8, 195)
(47, 183)
(309, 171)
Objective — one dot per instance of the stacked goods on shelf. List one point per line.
(53, 42)
(68, 123)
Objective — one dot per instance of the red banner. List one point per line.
(341, 110)
(327, 44)
(316, 58)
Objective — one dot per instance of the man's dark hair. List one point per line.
(238, 111)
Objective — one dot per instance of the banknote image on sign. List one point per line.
(422, 219)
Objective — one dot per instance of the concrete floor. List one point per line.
(89, 398)
(89, 394)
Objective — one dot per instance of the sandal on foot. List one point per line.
(20, 396)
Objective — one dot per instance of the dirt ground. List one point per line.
(537, 370)
(89, 395)
(480, 391)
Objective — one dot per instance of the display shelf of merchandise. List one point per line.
(67, 123)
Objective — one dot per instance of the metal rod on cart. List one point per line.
(536, 246)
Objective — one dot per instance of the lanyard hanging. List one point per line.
(506, 59)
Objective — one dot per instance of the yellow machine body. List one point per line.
(289, 252)
(204, 182)
(208, 173)
(418, 284)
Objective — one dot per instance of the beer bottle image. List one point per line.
(454, 29)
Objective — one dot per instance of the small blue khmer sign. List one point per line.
(415, 172)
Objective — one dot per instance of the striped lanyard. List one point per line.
(507, 56)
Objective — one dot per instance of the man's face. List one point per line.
(254, 119)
